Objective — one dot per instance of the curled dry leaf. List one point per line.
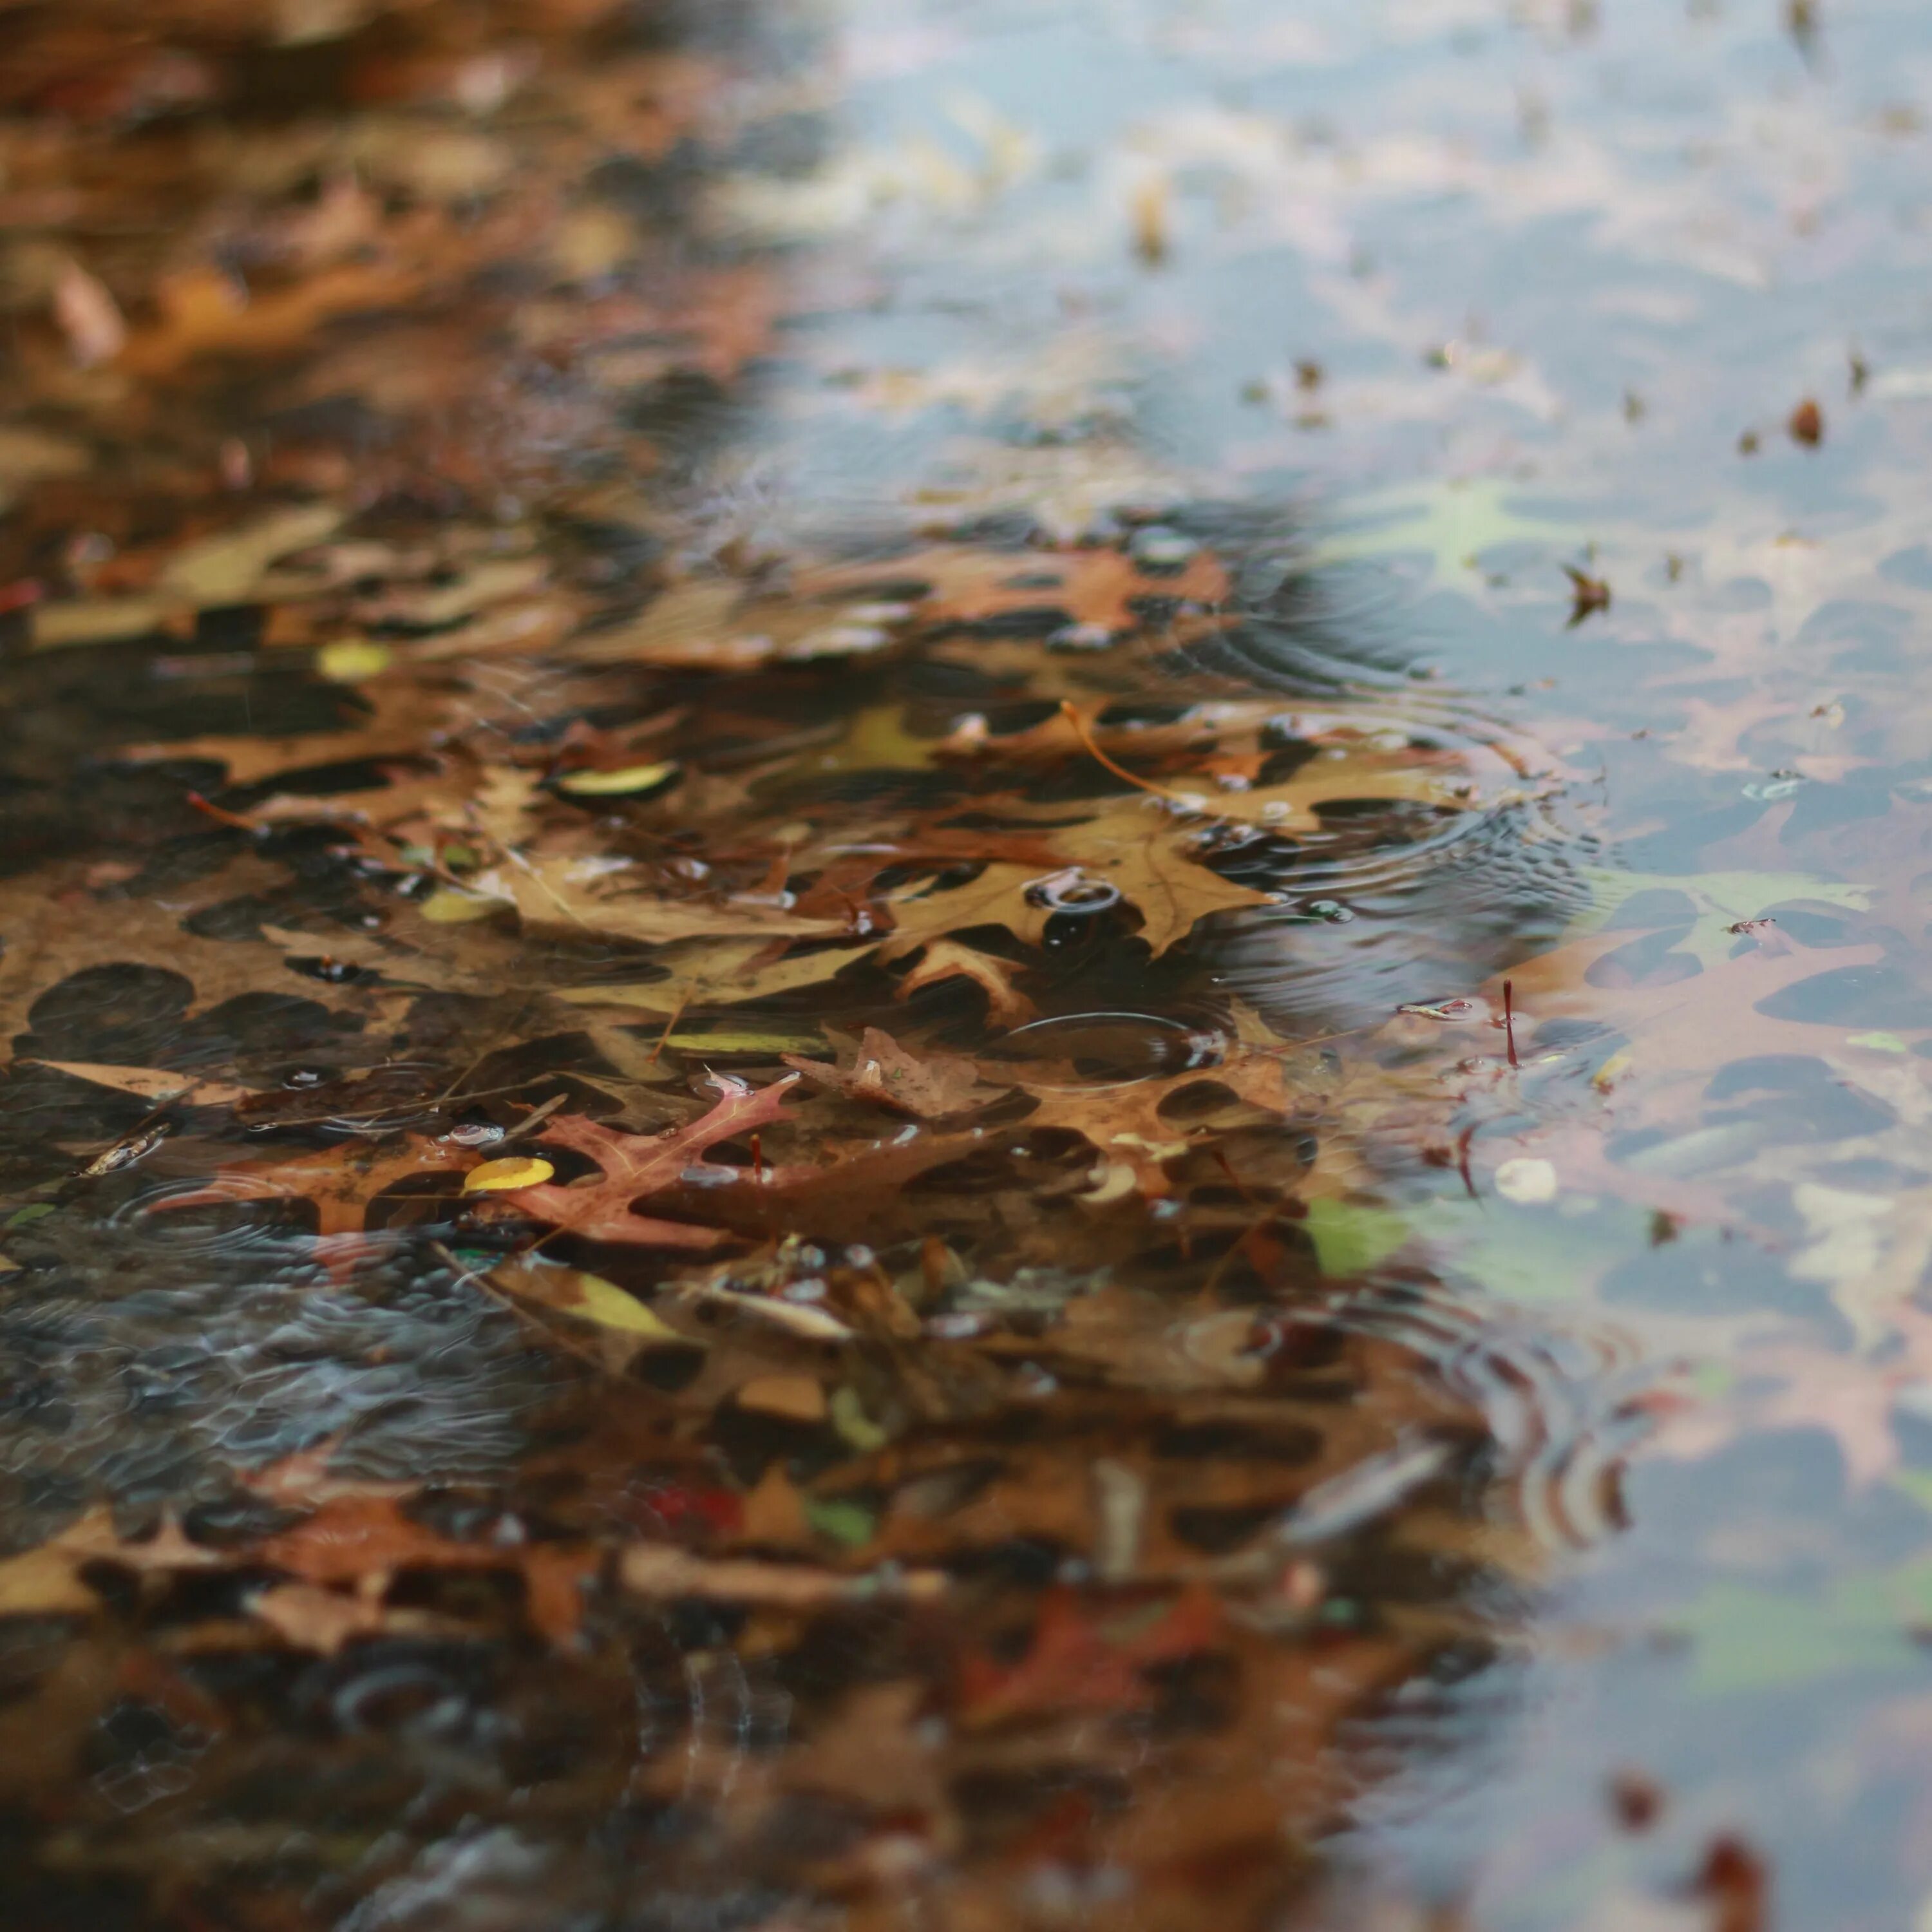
(945, 959)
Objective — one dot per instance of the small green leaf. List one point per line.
(745, 1039)
(842, 1522)
(850, 1419)
(451, 907)
(1349, 1240)
(1756, 1640)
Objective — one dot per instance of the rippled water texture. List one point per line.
(1197, 726)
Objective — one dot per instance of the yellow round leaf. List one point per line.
(349, 660)
(527, 1170)
(448, 907)
(607, 1304)
(612, 784)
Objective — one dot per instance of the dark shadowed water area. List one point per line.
(965, 965)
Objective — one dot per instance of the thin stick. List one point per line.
(1509, 1019)
(534, 1119)
(671, 1026)
(221, 815)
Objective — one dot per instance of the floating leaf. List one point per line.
(350, 660)
(849, 1523)
(622, 782)
(1351, 1239)
(513, 1170)
(930, 1087)
(637, 1165)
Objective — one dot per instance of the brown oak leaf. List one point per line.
(949, 959)
(881, 1070)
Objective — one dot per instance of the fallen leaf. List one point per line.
(1085, 1657)
(1589, 594)
(881, 1070)
(589, 1298)
(311, 1618)
(229, 568)
(969, 586)
(656, 1571)
(791, 1398)
(637, 1165)
(590, 895)
(155, 1084)
(46, 1581)
(362, 1541)
(514, 1171)
(88, 315)
(341, 1181)
(944, 959)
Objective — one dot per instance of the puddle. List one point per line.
(964, 960)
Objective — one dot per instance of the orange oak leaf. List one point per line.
(635, 1164)
(1082, 1659)
(340, 1180)
(1091, 586)
(363, 1540)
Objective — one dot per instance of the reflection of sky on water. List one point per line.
(1552, 264)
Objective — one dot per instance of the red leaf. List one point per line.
(635, 1164)
(1078, 1662)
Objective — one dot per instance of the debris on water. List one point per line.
(1735, 1883)
(1588, 594)
(1636, 1800)
(1345, 1502)
(1151, 220)
(1807, 423)
(125, 1152)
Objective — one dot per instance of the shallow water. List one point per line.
(1401, 1398)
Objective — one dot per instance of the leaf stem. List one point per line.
(1084, 732)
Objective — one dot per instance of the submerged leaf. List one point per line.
(635, 1166)
(880, 1069)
